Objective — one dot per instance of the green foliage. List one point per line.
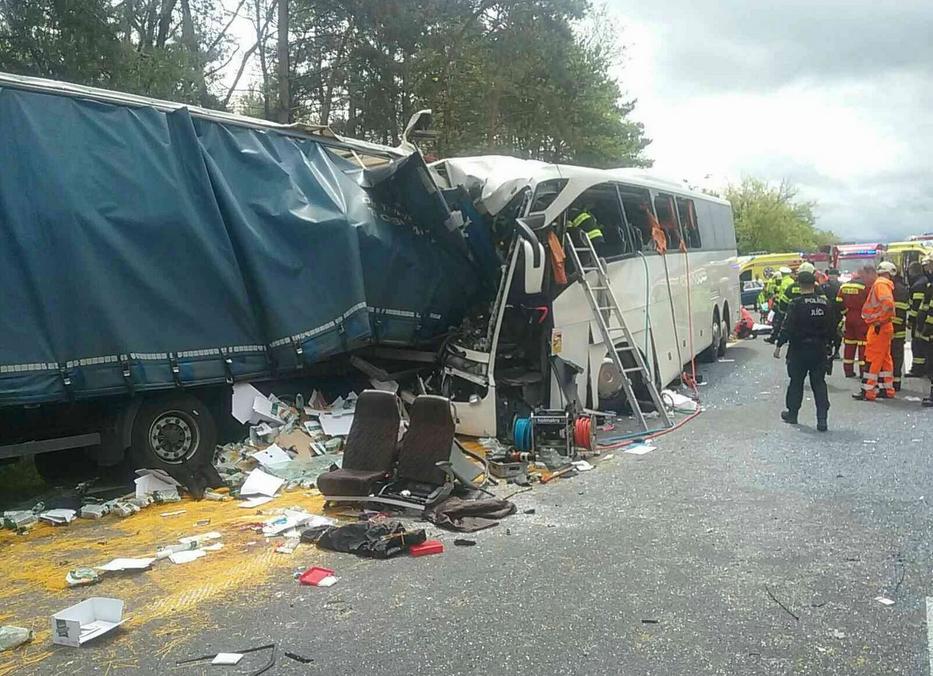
(526, 77)
(773, 218)
(132, 46)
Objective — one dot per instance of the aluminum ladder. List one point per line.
(611, 334)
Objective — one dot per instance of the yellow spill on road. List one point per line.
(34, 565)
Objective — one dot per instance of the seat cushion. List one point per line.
(349, 482)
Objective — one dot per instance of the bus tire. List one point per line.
(172, 430)
(708, 356)
(725, 333)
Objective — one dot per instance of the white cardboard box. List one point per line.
(84, 621)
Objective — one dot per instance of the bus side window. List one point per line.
(637, 205)
(664, 208)
(602, 203)
(688, 219)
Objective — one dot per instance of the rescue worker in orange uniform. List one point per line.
(878, 315)
(849, 302)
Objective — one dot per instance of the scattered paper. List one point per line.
(328, 581)
(227, 658)
(911, 398)
(241, 408)
(255, 502)
(336, 424)
(259, 483)
(273, 455)
(582, 465)
(186, 556)
(640, 449)
(216, 547)
(725, 361)
(126, 564)
(884, 601)
(58, 516)
(869, 441)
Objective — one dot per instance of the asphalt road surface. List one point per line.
(741, 545)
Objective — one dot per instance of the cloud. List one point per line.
(834, 97)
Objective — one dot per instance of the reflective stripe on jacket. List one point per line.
(879, 306)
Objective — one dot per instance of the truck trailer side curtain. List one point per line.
(180, 250)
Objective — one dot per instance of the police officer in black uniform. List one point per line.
(831, 289)
(808, 327)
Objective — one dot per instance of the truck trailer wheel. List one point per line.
(173, 430)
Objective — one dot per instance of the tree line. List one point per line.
(774, 219)
(534, 78)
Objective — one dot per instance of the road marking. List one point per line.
(930, 632)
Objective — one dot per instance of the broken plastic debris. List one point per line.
(582, 465)
(317, 577)
(80, 577)
(227, 658)
(11, 637)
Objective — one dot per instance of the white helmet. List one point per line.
(806, 267)
(776, 275)
(888, 267)
(785, 270)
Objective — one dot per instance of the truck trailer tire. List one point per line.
(172, 430)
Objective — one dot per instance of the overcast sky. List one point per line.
(835, 96)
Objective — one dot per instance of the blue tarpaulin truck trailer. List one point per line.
(151, 254)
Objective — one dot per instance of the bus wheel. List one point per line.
(708, 356)
(725, 332)
(173, 430)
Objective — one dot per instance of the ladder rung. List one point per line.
(634, 369)
(599, 288)
(605, 307)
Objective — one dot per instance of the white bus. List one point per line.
(678, 306)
